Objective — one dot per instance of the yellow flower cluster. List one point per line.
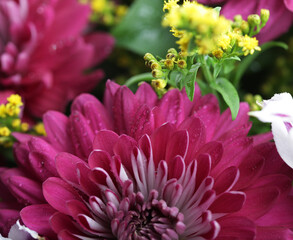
(195, 24)
(202, 30)
(106, 11)
(12, 108)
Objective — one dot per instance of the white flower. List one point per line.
(279, 111)
(20, 232)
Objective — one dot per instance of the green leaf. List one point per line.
(229, 94)
(246, 62)
(141, 30)
(176, 77)
(190, 81)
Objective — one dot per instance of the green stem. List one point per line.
(139, 78)
(206, 71)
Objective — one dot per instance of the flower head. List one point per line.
(279, 111)
(42, 50)
(139, 167)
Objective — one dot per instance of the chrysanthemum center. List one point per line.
(149, 218)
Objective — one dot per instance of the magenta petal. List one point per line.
(159, 141)
(100, 159)
(146, 95)
(170, 108)
(105, 140)
(176, 167)
(8, 217)
(143, 122)
(197, 136)
(57, 129)
(36, 217)
(26, 190)
(268, 233)
(228, 202)
(57, 193)
(177, 145)
(65, 162)
(226, 180)
(103, 44)
(124, 148)
(42, 158)
(233, 227)
(89, 188)
(289, 4)
(81, 134)
(111, 89)
(124, 109)
(94, 111)
(61, 221)
(259, 201)
(250, 169)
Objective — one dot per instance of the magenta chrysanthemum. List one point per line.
(142, 168)
(43, 54)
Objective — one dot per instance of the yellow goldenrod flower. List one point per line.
(15, 100)
(224, 41)
(159, 83)
(170, 4)
(249, 45)
(2, 111)
(40, 129)
(5, 132)
(218, 53)
(192, 20)
(16, 123)
(24, 127)
(98, 5)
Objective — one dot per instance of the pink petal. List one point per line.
(57, 129)
(105, 140)
(228, 202)
(259, 201)
(65, 162)
(26, 190)
(36, 217)
(124, 109)
(57, 193)
(146, 95)
(177, 145)
(226, 180)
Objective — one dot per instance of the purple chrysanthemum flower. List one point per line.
(44, 53)
(142, 168)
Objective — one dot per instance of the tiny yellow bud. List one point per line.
(149, 57)
(159, 83)
(253, 20)
(244, 27)
(157, 73)
(155, 65)
(16, 123)
(40, 129)
(182, 64)
(238, 18)
(169, 64)
(218, 53)
(173, 51)
(170, 56)
(24, 127)
(264, 15)
(4, 131)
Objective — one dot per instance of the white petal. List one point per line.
(284, 141)
(20, 232)
(280, 106)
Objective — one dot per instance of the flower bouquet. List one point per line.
(173, 143)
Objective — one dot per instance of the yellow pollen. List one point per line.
(4, 131)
